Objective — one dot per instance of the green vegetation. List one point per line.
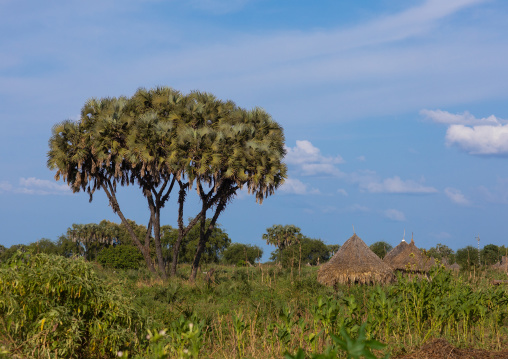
(241, 254)
(51, 306)
(381, 248)
(120, 257)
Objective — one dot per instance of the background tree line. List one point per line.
(110, 244)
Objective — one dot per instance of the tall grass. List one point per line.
(264, 312)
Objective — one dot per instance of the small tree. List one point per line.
(313, 251)
(332, 249)
(282, 236)
(239, 252)
(381, 248)
(442, 252)
(120, 257)
(490, 254)
(467, 257)
(217, 243)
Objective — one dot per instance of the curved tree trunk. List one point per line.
(204, 235)
(145, 250)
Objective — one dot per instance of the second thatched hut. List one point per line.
(353, 263)
(408, 259)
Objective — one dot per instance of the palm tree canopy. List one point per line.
(159, 133)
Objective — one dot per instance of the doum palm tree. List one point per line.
(158, 139)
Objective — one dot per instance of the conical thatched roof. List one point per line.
(395, 251)
(454, 267)
(354, 262)
(503, 264)
(409, 259)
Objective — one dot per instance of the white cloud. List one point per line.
(394, 215)
(464, 118)
(305, 152)
(342, 191)
(456, 196)
(396, 185)
(476, 136)
(35, 186)
(310, 160)
(479, 140)
(295, 186)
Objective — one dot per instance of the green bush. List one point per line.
(51, 306)
(120, 257)
(239, 252)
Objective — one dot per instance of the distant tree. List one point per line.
(67, 248)
(313, 251)
(381, 248)
(332, 249)
(467, 257)
(217, 242)
(44, 245)
(282, 236)
(9, 252)
(490, 254)
(91, 238)
(441, 251)
(239, 252)
(120, 257)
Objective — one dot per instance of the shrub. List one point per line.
(51, 306)
(120, 257)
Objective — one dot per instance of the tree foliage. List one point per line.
(381, 248)
(214, 248)
(282, 236)
(158, 138)
(313, 251)
(491, 254)
(442, 252)
(467, 257)
(120, 257)
(240, 253)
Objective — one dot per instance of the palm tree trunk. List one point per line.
(145, 250)
(204, 235)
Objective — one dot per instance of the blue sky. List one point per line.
(394, 111)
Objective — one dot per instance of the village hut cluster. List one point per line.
(355, 262)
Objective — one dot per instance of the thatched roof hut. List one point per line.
(501, 265)
(354, 262)
(454, 267)
(395, 251)
(409, 259)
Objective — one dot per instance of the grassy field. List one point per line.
(248, 312)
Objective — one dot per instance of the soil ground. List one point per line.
(441, 349)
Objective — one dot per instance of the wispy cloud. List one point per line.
(369, 181)
(309, 160)
(295, 186)
(394, 215)
(35, 186)
(342, 192)
(464, 118)
(476, 136)
(456, 196)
